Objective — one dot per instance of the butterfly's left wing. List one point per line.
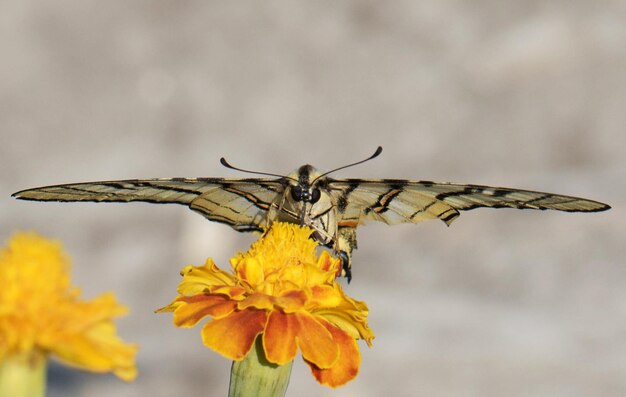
(239, 203)
(396, 201)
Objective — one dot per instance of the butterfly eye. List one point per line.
(315, 195)
(296, 193)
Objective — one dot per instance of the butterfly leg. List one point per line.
(344, 245)
(346, 271)
(345, 258)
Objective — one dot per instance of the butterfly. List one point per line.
(333, 208)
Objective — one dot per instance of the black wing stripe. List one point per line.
(249, 197)
(423, 209)
(449, 216)
(383, 201)
(224, 206)
(342, 200)
(230, 222)
(139, 186)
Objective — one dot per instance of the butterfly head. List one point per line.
(304, 184)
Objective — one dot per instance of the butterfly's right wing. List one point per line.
(239, 203)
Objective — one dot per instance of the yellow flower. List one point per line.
(281, 289)
(41, 314)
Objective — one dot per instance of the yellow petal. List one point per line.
(234, 335)
(331, 266)
(98, 350)
(346, 320)
(257, 301)
(195, 308)
(324, 296)
(197, 279)
(233, 292)
(250, 270)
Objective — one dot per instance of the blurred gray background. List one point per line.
(527, 94)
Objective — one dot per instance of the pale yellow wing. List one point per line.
(398, 201)
(240, 203)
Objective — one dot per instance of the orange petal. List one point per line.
(234, 335)
(279, 338)
(315, 341)
(291, 301)
(196, 307)
(347, 366)
(235, 292)
(285, 332)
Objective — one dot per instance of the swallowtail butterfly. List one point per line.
(332, 207)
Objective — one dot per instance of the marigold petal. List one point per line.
(313, 275)
(292, 274)
(325, 296)
(349, 315)
(331, 266)
(98, 350)
(349, 322)
(257, 301)
(233, 292)
(347, 366)
(197, 279)
(251, 270)
(279, 338)
(316, 342)
(233, 336)
(195, 308)
(284, 332)
(291, 301)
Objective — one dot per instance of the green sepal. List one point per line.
(254, 376)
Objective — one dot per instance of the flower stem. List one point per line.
(255, 376)
(23, 376)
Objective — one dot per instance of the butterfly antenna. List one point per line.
(227, 165)
(378, 151)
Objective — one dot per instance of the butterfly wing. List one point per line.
(240, 203)
(396, 201)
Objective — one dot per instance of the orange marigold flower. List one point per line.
(281, 289)
(41, 313)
